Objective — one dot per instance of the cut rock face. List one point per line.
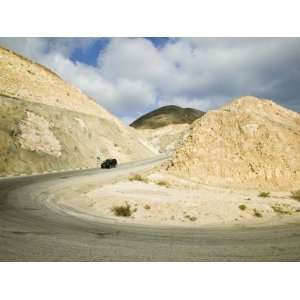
(36, 135)
(248, 143)
(47, 124)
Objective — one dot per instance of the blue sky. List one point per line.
(131, 76)
(90, 54)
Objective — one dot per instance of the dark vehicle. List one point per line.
(109, 163)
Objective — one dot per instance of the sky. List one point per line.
(132, 76)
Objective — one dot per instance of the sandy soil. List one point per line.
(161, 199)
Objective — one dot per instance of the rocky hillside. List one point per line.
(47, 124)
(167, 126)
(248, 143)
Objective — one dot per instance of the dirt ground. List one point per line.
(154, 198)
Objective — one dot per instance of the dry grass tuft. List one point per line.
(256, 213)
(122, 210)
(138, 177)
(242, 207)
(281, 210)
(147, 206)
(163, 183)
(191, 218)
(264, 194)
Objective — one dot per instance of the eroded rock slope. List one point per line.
(48, 124)
(248, 143)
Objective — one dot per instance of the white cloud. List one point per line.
(134, 59)
(122, 96)
(133, 76)
(30, 47)
(134, 95)
(201, 104)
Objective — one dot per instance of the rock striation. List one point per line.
(47, 124)
(248, 143)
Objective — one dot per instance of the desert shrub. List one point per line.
(256, 213)
(295, 195)
(163, 183)
(147, 206)
(264, 194)
(138, 177)
(122, 210)
(191, 218)
(242, 207)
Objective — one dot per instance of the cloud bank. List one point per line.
(134, 75)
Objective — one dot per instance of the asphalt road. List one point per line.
(31, 231)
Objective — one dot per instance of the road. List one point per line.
(31, 231)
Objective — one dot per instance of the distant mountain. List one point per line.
(167, 115)
(167, 126)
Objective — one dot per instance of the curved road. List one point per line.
(31, 231)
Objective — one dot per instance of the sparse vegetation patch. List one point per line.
(264, 194)
(242, 207)
(256, 213)
(163, 183)
(138, 177)
(281, 210)
(191, 218)
(147, 206)
(122, 210)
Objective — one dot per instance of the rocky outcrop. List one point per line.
(47, 124)
(248, 143)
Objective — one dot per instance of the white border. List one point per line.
(157, 280)
(149, 281)
(149, 18)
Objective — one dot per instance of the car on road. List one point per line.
(109, 163)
